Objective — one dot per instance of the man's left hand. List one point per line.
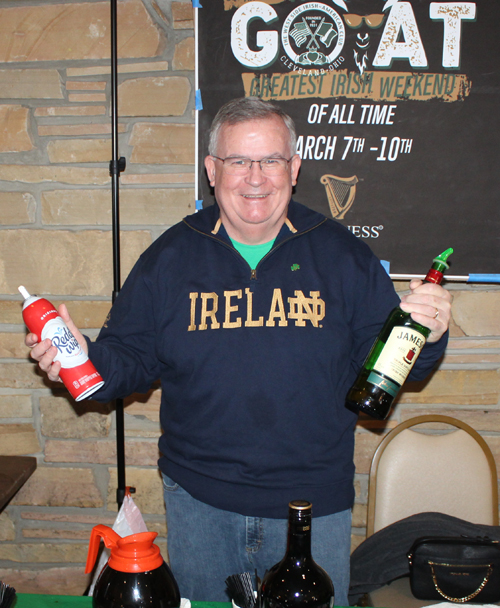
(429, 305)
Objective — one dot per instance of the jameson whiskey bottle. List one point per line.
(392, 355)
(297, 581)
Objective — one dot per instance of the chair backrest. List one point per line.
(449, 472)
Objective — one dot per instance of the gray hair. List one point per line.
(244, 109)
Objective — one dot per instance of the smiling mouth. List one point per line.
(254, 195)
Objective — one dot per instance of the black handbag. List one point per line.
(456, 569)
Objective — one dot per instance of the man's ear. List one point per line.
(210, 169)
(294, 168)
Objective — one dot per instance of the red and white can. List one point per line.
(77, 371)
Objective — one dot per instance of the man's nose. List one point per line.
(255, 174)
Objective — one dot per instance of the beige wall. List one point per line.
(55, 238)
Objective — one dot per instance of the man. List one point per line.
(256, 313)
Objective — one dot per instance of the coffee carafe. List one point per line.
(135, 576)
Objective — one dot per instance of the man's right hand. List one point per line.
(44, 352)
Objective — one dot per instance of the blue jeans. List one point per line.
(206, 545)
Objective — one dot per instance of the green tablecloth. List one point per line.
(28, 600)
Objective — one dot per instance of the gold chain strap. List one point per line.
(467, 598)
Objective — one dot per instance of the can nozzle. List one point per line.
(24, 292)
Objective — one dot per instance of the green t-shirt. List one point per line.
(253, 254)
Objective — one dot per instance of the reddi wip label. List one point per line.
(400, 352)
(69, 352)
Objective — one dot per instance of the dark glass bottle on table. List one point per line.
(297, 581)
(392, 356)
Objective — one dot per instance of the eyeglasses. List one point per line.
(236, 165)
(372, 21)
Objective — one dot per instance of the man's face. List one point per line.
(253, 206)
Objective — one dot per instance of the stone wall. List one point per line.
(55, 238)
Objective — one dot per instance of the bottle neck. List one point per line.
(435, 274)
(299, 534)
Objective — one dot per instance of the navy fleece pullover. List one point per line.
(254, 363)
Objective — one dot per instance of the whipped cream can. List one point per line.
(77, 371)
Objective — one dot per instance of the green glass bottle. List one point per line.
(392, 356)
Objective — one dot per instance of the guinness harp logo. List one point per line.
(341, 192)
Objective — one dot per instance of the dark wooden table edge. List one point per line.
(14, 472)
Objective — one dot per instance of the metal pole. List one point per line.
(116, 165)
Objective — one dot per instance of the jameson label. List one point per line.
(384, 383)
(400, 353)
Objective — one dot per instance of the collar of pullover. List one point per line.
(299, 219)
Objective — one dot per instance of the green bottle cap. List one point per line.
(440, 263)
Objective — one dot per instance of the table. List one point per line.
(28, 600)
(14, 472)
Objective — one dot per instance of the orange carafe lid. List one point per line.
(134, 553)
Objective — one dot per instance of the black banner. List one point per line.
(396, 105)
